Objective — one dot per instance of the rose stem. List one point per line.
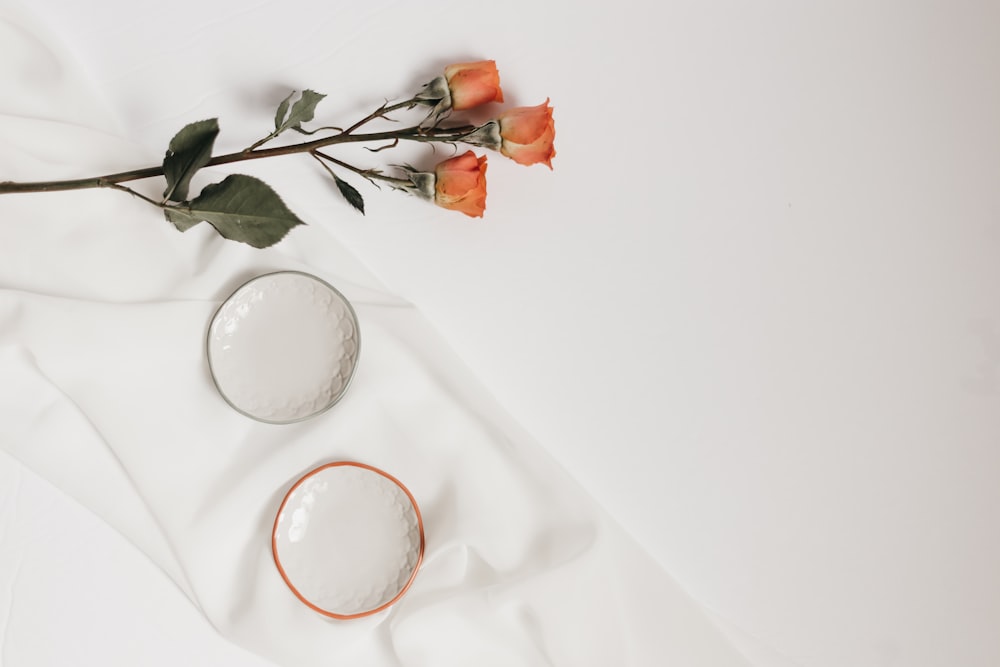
(415, 133)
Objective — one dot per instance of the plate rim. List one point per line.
(284, 575)
(347, 382)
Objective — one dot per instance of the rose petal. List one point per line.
(461, 184)
(541, 150)
(473, 84)
(524, 125)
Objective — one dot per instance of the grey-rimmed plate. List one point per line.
(283, 347)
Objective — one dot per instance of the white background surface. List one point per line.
(755, 308)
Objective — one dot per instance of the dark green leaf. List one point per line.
(302, 111)
(350, 193)
(189, 151)
(241, 208)
(180, 218)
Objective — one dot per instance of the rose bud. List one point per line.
(462, 86)
(527, 134)
(473, 84)
(461, 184)
(458, 183)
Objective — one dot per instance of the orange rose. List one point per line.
(473, 84)
(527, 134)
(460, 184)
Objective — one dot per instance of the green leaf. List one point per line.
(180, 218)
(279, 115)
(189, 151)
(350, 193)
(302, 111)
(241, 208)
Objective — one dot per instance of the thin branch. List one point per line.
(368, 174)
(382, 111)
(260, 142)
(319, 129)
(316, 156)
(395, 142)
(123, 188)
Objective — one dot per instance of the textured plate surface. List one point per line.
(283, 347)
(348, 539)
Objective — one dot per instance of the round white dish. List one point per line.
(283, 347)
(348, 539)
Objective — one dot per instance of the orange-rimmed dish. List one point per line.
(348, 539)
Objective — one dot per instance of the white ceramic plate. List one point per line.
(348, 539)
(283, 347)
